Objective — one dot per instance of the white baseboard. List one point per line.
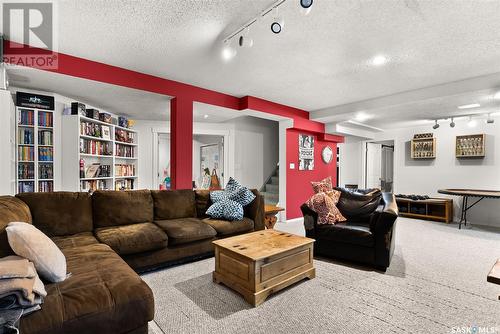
(295, 220)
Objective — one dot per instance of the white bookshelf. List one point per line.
(78, 145)
(34, 150)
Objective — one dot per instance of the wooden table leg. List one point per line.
(270, 221)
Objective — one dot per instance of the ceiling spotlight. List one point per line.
(228, 52)
(490, 120)
(245, 41)
(379, 60)
(205, 116)
(497, 96)
(306, 6)
(278, 22)
(452, 123)
(436, 125)
(469, 106)
(472, 122)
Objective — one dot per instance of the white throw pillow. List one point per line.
(29, 242)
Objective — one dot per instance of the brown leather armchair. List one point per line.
(368, 234)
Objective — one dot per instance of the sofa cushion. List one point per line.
(29, 242)
(203, 202)
(103, 295)
(12, 209)
(173, 204)
(75, 240)
(113, 208)
(356, 206)
(225, 228)
(61, 212)
(346, 232)
(134, 238)
(182, 231)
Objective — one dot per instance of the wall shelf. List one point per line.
(80, 145)
(470, 146)
(35, 150)
(423, 148)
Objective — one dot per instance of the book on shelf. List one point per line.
(26, 153)
(106, 133)
(93, 185)
(124, 151)
(92, 171)
(89, 146)
(25, 136)
(45, 119)
(26, 117)
(124, 136)
(26, 187)
(124, 170)
(45, 171)
(45, 186)
(124, 184)
(25, 171)
(45, 137)
(45, 154)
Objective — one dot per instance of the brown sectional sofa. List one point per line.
(109, 236)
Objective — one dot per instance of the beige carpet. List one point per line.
(435, 284)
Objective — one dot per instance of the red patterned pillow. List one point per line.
(324, 205)
(323, 185)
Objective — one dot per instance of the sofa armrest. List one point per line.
(310, 220)
(383, 228)
(385, 215)
(255, 211)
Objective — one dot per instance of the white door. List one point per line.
(373, 165)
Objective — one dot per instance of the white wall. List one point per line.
(256, 150)
(446, 171)
(251, 149)
(351, 161)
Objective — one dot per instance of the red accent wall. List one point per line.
(298, 182)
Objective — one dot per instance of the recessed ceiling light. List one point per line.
(361, 117)
(497, 96)
(469, 106)
(379, 60)
(205, 116)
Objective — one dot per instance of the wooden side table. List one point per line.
(270, 212)
(494, 275)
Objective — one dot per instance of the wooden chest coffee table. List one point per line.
(263, 262)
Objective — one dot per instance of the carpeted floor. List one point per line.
(435, 284)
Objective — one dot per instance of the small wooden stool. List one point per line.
(270, 212)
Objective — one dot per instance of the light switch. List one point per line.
(292, 165)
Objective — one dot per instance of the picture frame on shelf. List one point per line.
(106, 132)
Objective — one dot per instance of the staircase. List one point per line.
(270, 190)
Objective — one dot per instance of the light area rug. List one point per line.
(436, 284)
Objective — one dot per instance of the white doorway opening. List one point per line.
(379, 167)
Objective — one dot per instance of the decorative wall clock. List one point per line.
(327, 154)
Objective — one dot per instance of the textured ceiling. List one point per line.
(318, 61)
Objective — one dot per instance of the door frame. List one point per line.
(364, 174)
(198, 130)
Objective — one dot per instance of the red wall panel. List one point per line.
(298, 182)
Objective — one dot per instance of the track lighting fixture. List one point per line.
(228, 52)
(278, 22)
(306, 6)
(452, 123)
(245, 41)
(436, 125)
(490, 120)
(472, 122)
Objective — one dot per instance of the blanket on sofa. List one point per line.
(21, 291)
